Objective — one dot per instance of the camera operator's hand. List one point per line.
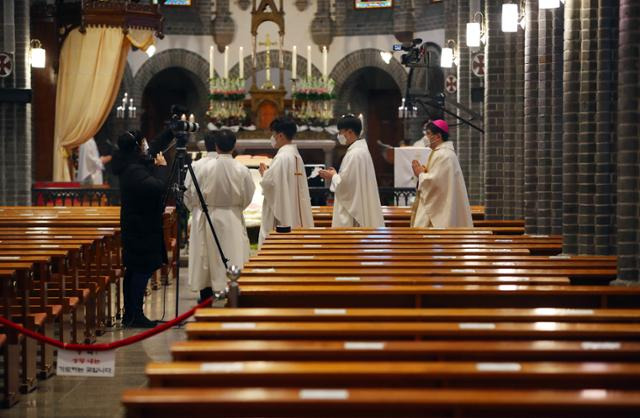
(159, 160)
(263, 167)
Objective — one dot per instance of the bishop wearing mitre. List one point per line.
(357, 202)
(284, 184)
(441, 197)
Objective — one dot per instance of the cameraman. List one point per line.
(143, 174)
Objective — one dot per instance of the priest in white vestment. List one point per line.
(357, 201)
(196, 245)
(90, 163)
(441, 198)
(227, 188)
(284, 184)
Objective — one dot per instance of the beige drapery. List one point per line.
(91, 69)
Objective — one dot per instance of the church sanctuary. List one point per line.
(320, 208)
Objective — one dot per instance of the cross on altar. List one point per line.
(267, 43)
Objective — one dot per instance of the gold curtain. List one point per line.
(91, 69)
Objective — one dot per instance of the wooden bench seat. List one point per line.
(419, 315)
(328, 374)
(319, 249)
(391, 280)
(414, 330)
(358, 350)
(416, 296)
(389, 402)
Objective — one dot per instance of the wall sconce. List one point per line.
(510, 17)
(447, 55)
(38, 54)
(475, 31)
(150, 51)
(386, 56)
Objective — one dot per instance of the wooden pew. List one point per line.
(396, 374)
(334, 330)
(388, 402)
(390, 350)
(416, 296)
(11, 340)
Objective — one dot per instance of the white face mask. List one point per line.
(273, 141)
(145, 146)
(342, 139)
(425, 140)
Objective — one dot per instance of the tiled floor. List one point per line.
(100, 397)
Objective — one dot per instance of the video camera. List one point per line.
(414, 52)
(178, 125)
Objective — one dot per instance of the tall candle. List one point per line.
(226, 62)
(211, 62)
(241, 62)
(324, 62)
(294, 63)
(308, 61)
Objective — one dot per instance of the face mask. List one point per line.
(425, 140)
(273, 141)
(145, 147)
(342, 139)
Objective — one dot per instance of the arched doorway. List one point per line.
(374, 93)
(173, 85)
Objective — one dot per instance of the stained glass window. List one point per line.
(373, 4)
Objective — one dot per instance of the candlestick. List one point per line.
(226, 62)
(211, 71)
(294, 63)
(241, 62)
(308, 61)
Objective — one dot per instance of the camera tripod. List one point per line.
(179, 168)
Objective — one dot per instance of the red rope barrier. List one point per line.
(103, 346)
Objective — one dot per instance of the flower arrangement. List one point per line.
(314, 89)
(226, 102)
(315, 97)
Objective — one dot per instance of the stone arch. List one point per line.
(261, 59)
(180, 58)
(369, 57)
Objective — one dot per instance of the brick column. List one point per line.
(587, 127)
(628, 146)
(571, 108)
(15, 118)
(605, 138)
(545, 81)
(464, 75)
(503, 117)
(531, 118)
(557, 120)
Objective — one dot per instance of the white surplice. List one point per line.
(357, 202)
(90, 165)
(286, 193)
(192, 203)
(443, 200)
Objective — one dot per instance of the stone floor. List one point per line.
(100, 397)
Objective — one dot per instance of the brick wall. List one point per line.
(628, 148)
(15, 118)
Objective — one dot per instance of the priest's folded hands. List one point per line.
(263, 167)
(418, 168)
(328, 173)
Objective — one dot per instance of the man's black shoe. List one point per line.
(141, 322)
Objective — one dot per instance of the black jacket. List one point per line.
(142, 187)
